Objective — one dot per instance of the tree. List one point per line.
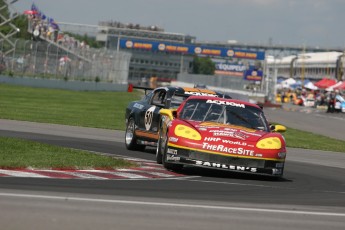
(5, 13)
(21, 22)
(203, 65)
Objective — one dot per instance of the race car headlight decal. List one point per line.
(269, 143)
(186, 132)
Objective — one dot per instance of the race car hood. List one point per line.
(226, 131)
(226, 140)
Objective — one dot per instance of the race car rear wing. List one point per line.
(144, 88)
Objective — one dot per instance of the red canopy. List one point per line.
(341, 86)
(325, 83)
(30, 12)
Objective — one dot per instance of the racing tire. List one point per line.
(160, 149)
(131, 138)
(160, 145)
(168, 165)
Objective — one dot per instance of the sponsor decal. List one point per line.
(229, 73)
(214, 52)
(230, 53)
(149, 117)
(248, 55)
(179, 49)
(253, 75)
(277, 171)
(233, 134)
(215, 139)
(172, 151)
(137, 45)
(161, 47)
(226, 166)
(129, 44)
(225, 141)
(172, 48)
(138, 106)
(226, 149)
(226, 103)
(197, 50)
(173, 139)
(200, 94)
(173, 158)
(230, 67)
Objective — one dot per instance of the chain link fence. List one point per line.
(47, 59)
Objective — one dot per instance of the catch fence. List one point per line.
(47, 59)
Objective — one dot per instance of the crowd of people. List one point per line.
(45, 27)
(311, 98)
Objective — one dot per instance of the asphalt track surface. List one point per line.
(310, 196)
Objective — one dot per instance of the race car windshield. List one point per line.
(225, 113)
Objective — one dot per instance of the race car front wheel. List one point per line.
(161, 143)
(166, 164)
(130, 138)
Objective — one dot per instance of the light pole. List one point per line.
(275, 76)
(14, 53)
(303, 57)
(35, 58)
(118, 42)
(292, 66)
(303, 68)
(182, 57)
(46, 61)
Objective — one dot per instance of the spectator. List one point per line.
(283, 96)
(331, 102)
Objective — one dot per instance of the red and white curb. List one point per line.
(147, 170)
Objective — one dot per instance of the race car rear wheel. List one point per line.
(130, 138)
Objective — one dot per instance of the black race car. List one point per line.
(143, 118)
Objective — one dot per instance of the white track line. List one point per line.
(128, 202)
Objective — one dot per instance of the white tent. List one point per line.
(311, 86)
(288, 82)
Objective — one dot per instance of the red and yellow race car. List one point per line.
(220, 133)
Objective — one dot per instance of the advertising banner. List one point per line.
(229, 69)
(190, 49)
(253, 75)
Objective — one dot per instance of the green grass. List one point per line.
(88, 109)
(16, 153)
(306, 140)
(76, 108)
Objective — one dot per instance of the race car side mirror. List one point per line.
(278, 128)
(171, 113)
